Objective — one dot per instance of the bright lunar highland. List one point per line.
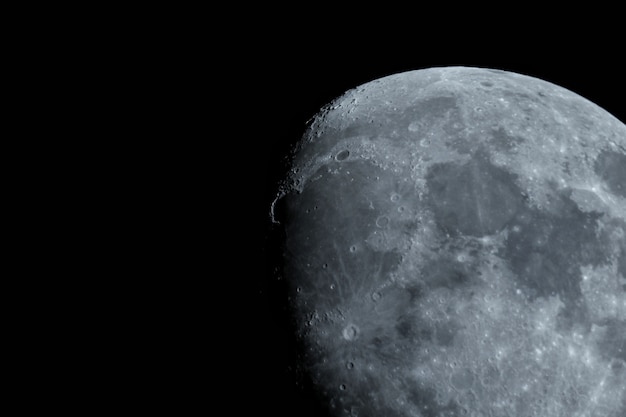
(455, 242)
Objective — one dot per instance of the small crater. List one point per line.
(395, 197)
(376, 296)
(342, 387)
(349, 365)
(350, 332)
(415, 127)
(382, 222)
(353, 248)
(343, 155)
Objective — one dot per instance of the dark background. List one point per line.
(289, 87)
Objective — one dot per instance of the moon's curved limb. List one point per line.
(458, 238)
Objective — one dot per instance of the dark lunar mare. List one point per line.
(472, 199)
(547, 253)
(613, 343)
(544, 250)
(621, 260)
(611, 167)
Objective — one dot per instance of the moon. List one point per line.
(455, 242)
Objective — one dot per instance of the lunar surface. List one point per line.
(455, 239)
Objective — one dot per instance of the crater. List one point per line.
(382, 222)
(342, 155)
(351, 332)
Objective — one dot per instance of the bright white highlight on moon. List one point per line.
(457, 237)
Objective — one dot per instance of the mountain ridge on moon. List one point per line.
(455, 241)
